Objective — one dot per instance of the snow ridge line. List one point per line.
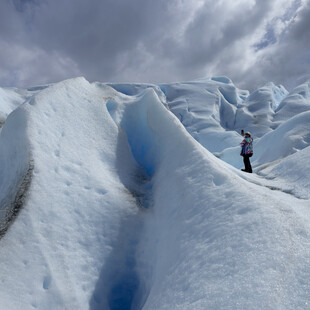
(121, 284)
(12, 208)
(273, 187)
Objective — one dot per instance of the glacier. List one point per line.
(130, 196)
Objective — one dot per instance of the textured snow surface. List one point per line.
(136, 199)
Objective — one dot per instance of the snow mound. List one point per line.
(291, 136)
(222, 79)
(257, 111)
(207, 110)
(296, 102)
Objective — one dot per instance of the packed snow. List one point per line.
(130, 196)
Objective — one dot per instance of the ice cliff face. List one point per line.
(122, 203)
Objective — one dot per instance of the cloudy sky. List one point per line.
(250, 41)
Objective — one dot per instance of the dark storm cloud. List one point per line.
(9, 23)
(153, 41)
(100, 35)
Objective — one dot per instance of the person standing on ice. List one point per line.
(247, 152)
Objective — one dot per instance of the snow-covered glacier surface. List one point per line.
(130, 196)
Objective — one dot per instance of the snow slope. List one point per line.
(127, 208)
(292, 173)
(76, 203)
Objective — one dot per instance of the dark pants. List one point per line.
(247, 164)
